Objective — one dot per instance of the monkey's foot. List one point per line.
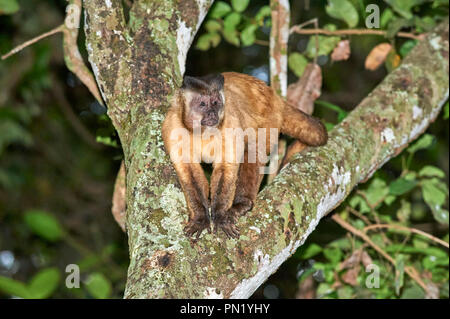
(196, 227)
(241, 206)
(226, 222)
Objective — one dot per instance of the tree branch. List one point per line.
(279, 36)
(164, 263)
(297, 29)
(409, 270)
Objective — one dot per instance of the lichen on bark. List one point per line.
(137, 70)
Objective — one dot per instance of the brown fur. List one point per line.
(249, 103)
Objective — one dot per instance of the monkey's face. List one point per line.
(208, 109)
(204, 101)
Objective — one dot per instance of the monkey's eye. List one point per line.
(202, 104)
(214, 103)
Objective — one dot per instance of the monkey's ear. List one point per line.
(195, 84)
(215, 81)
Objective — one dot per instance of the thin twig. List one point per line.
(359, 215)
(34, 40)
(262, 42)
(299, 30)
(409, 270)
(315, 22)
(408, 229)
(373, 211)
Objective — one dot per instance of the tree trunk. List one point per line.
(138, 65)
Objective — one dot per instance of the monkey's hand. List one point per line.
(196, 225)
(223, 188)
(227, 223)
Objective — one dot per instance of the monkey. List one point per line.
(221, 102)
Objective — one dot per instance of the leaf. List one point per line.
(308, 251)
(265, 11)
(377, 56)
(403, 7)
(8, 6)
(213, 26)
(423, 143)
(44, 225)
(342, 51)
(433, 193)
(431, 261)
(343, 10)
(392, 60)
(230, 23)
(386, 16)
(424, 24)
(341, 113)
(334, 255)
(356, 201)
(297, 63)
(441, 215)
(446, 111)
(219, 9)
(345, 292)
(13, 287)
(399, 272)
(326, 45)
(107, 140)
(431, 171)
(232, 20)
(248, 36)
(396, 25)
(404, 212)
(401, 186)
(239, 5)
(98, 286)
(205, 41)
(438, 3)
(376, 191)
(407, 47)
(231, 36)
(44, 283)
(323, 290)
(13, 132)
(414, 292)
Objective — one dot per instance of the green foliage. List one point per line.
(395, 202)
(297, 63)
(343, 10)
(44, 225)
(42, 285)
(8, 6)
(231, 24)
(404, 7)
(13, 287)
(98, 286)
(239, 5)
(219, 9)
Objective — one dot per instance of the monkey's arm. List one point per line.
(223, 189)
(303, 127)
(196, 191)
(192, 180)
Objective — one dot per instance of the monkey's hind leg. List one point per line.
(247, 188)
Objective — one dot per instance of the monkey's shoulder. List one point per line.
(251, 95)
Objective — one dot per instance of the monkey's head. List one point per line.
(203, 100)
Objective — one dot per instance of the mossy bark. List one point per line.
(137, 67)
